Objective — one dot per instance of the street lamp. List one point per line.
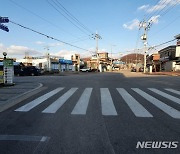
(4, 54)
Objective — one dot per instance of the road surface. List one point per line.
(98, 113)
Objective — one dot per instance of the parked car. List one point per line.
(31, 70)
(133, 69)
(141, 69)
(18, 70)
(85, 70)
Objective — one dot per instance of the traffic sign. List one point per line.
(4, 20)
(3, 27)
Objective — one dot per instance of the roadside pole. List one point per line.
(8, 70)
(146, 26)
(97, 37)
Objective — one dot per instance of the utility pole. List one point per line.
(48, 58)
(97, 37)
(111, 57)
(146, 26)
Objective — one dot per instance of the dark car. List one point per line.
(133, 69)
(18, 70)
(31, 70)
(141, 69)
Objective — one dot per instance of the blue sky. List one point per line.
(115, 20)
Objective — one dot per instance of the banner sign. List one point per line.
(64, 61)
(1, 77)
(8, 71)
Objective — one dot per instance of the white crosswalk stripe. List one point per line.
(107, 103)
(38, 101)
(82, 104)
(164, 107)
(134, 105)
(173, 91)
(170, 97)
(60, 101)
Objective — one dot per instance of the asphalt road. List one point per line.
(86, 113)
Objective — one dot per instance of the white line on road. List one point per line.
(23, 138)
(172, 98)
(173, 91)
(107, 102)
(164, 107)
(134, 105)
(38, 101)
(60, 101)
(82, 104)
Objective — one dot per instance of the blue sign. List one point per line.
(4, 20)
(3, 27)
(64, 61)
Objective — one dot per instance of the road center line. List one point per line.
(23, 138)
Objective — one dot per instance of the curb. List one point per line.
(11, 102)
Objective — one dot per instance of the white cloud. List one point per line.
(134, 24)
(154, 19)
(162, 4)
(49, 44)
(21, 50)
(143, 7)
(15, 51)
(39, 42)
(67, 54)
(55, 44)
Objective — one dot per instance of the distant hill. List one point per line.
(131, 58)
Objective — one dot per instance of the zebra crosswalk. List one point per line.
(106, 101)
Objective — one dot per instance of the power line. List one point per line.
(162, 12)
(48, 36)
(55, 7)
(164, 43)
(165, 12)
(156, 7)
(72, 16)
(31, 12)
(148, 13)
(166, 25)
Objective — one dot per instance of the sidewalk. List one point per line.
(12, 95)
(128, 73)
(165, 73)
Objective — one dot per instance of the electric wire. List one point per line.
(45, 20)
(156, 7)
(55, 7)
(48, 36)
(72, 16)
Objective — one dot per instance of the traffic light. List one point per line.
(4, 20)
(3, 27)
